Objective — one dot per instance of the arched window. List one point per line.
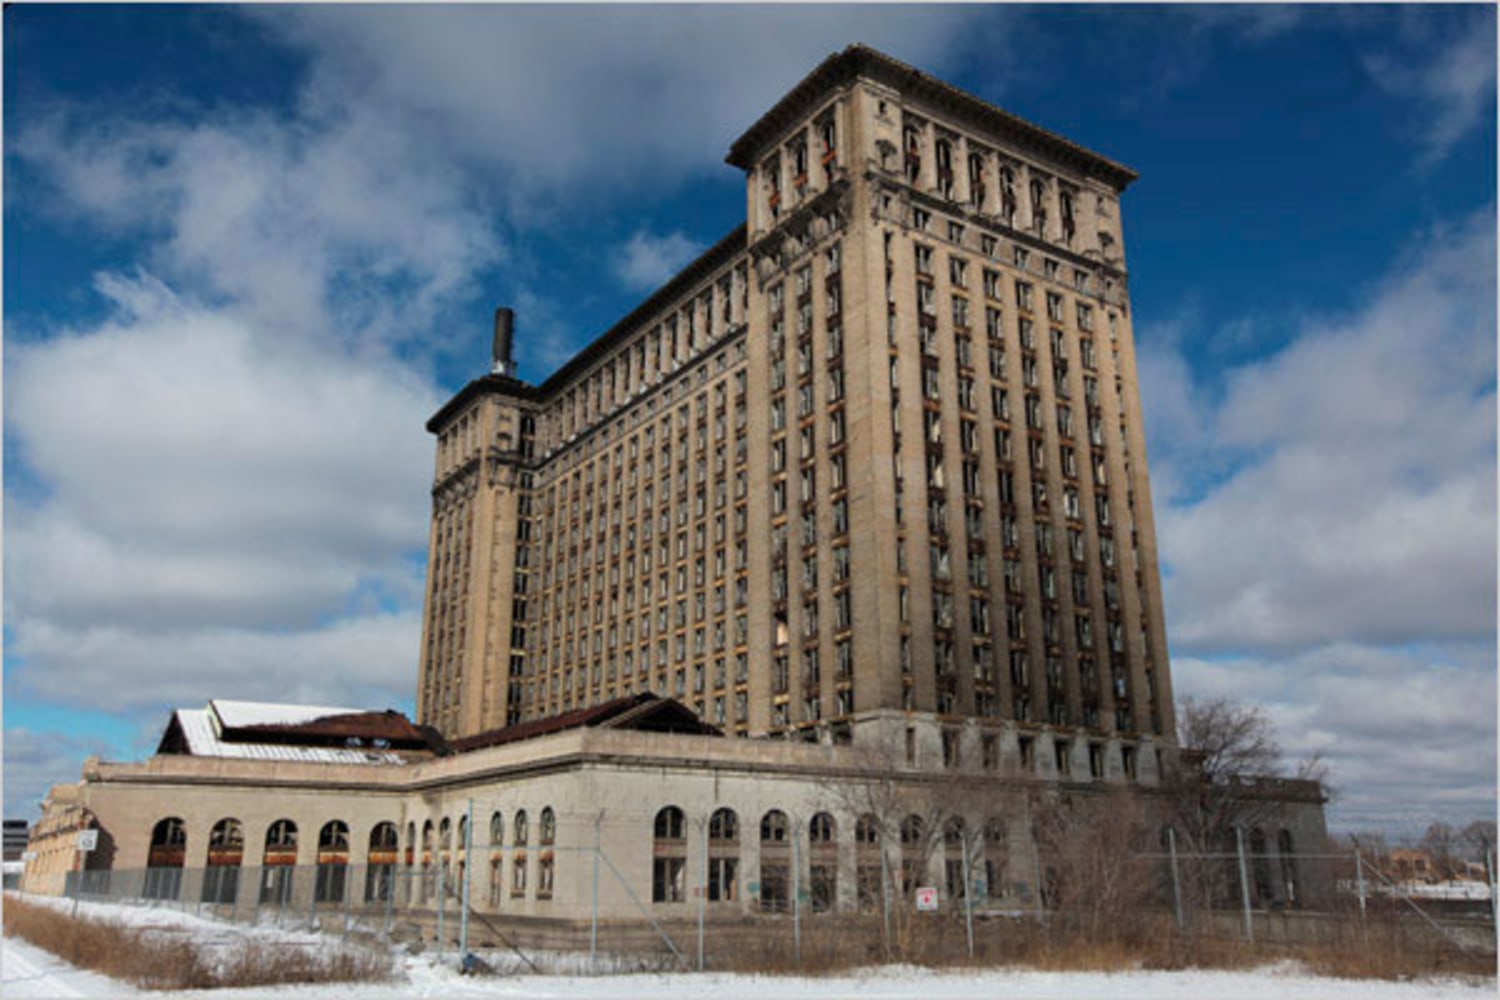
(333, 838)
(823, 861)
(445, 834)
(1038, 206)
(279, 862)
(427, 838)
(1291, 882)
(955, 842)
(943, 152)
(170, 837)
(226, 850)
(227, 835)
(497, 829)
(165, 860)
(996, 857)
(1260, 866)
(380, 875)
(913, 832)
(463, 832)
(281, 837)
(723, 826)
(669, 856)
(383, 840)
(669, 824)
(518, 831)
(723, 855)
(549, 826)
(333, 862)
(869, 866)
(775, 861)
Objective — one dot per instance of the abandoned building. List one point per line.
(859, 494)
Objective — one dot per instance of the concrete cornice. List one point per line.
(858, 61)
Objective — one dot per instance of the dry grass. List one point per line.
(1151, 942)
(152, 960)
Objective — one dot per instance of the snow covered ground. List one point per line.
(30, 972)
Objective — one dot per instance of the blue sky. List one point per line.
(248, 250)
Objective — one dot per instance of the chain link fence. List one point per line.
(1339, 898)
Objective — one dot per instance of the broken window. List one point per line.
(669, 857)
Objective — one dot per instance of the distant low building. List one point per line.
(16, 833)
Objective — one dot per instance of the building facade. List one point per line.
(880, 448)
(864, 486)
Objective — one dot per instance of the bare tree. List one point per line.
(1442, 842)
(1091, 848)
(1224, 784)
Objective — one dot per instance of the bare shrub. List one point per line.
(163, 961)
(257, 963)
(1091, 848)
(125, 953)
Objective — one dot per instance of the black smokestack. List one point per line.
(505, 325)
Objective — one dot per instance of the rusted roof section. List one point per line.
(861, 60)
(321, 734)
(643, 712)
(389, 725)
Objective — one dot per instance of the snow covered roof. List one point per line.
(234, 714)
(317, 734)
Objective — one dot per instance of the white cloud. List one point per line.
(614, 96)
(196, 474)
(1405, 731)
(1364, 507)
(216, 513)
(1451, 80)
(647, 261)
(329, 228)
(1328, 524)
(359, 660)
(35, 761)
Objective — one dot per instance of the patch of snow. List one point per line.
(28, 971)
(427, 974)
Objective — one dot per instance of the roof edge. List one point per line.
(860, 60)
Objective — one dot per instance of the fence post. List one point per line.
(594, 906)
(390, 899)
(1176, 880)
(1359, 882)
(968, 896)
(885, 893)
(463, 917)
(1489, 871)
(1239, 847)
(349, 891)
(796, 896)
(442, 895)
(702, 892)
